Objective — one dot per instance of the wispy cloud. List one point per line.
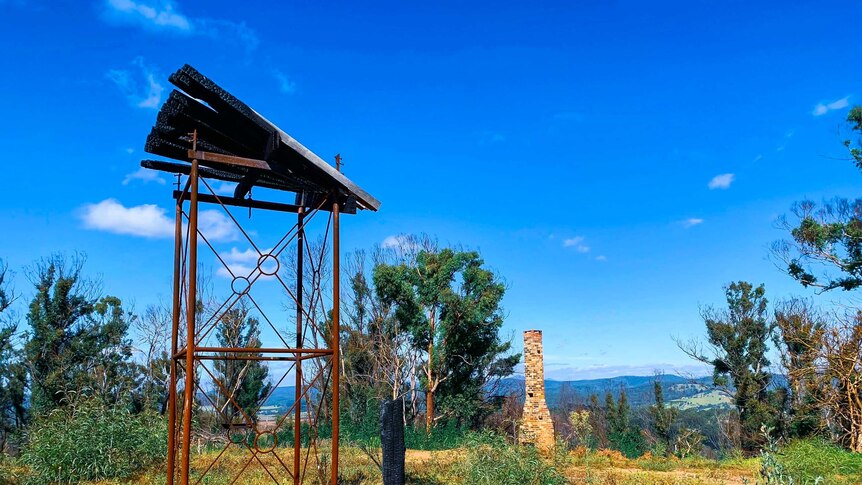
(153, 14)
(165, 16)
(722, 181)
(285, 84)
(576, 242)
(223, 188)
(404, 242)
(244, 263)
(140, 87)
(691, 222)
(145, 176)
(822, 108)
(151, 221)
(601, 257)
(491, 138)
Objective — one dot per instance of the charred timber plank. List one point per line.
(367, 199)
(181, 118)
(253, 204)
(199, 86)
(232, 174)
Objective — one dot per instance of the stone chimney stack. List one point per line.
(536, 425)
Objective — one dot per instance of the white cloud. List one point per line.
(146, 220)
(223, 188)
(286, 85)
(142, 91)
(396, 242)
(233, 32)
(823, 108)
(165, 16)
(241, 263)
(694, 221)
(157, 14)
(601, 257)
(722, 181)
(216, 226)
(576, 242)
(144, 175)
(151, 221)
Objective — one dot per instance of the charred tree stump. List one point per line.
(392, 441)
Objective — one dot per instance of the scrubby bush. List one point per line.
(490, 460)
(806, 460)
(92, 441)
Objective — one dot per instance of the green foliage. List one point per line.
(13, 373)
(449, 304)
(91, 441)
(688, 443)
(662, 418)
(243, 383)
(800, 337)
(367, 432)
(739, 338)
(805, 460)
(829, 236)
(622, 433)
(582, 429)
(77, 344)
(445, 437)
(492, 461)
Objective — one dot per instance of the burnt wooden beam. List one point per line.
(234, 174)
(238, 140)
(199, 86)
(258, 204)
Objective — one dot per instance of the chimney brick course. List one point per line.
(536, 425)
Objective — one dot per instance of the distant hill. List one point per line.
(283, 397)
(683, 392)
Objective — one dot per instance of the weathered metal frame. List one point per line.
(191, 356)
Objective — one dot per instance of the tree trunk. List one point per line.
(431, 386)
(429, 410)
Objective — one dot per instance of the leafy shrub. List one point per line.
(93, 441)
(490, 460)
(442, 437)
(805, 460)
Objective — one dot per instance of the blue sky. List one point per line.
(616, 162)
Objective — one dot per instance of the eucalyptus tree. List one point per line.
(76, 345)
(449, 303)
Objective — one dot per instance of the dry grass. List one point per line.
(441, 467)
(610, 467)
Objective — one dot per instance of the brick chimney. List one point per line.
(536, 425)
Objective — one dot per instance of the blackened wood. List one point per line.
(250, 203)
(229, 174)
(295, 156)
(392, 441)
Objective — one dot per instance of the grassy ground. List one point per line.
(492, 464)
(445, 467)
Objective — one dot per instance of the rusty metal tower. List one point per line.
(216, 137)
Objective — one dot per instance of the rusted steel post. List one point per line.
(175, 325)
(336, 333)
(191, 310)
(297, 417)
